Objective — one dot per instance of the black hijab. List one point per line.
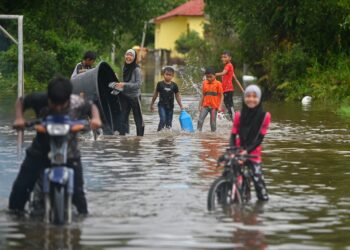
(128, 69)
(250, 124)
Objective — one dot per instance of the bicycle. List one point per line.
(233, 186)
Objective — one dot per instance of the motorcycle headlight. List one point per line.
(58, 129)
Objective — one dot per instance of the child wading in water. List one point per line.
(167, 90)
(211, 100)
(227, 74)
(86, 64)
(251, 126)
(129, 92)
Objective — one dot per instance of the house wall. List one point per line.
(169, 30)
(196, 24)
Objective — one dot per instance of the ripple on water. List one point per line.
(148, 193)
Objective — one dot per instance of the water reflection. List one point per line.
(150, 193)
(31, 234)
(249, 226)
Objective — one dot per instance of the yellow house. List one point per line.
(170, 26)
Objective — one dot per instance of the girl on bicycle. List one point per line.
(248, 131)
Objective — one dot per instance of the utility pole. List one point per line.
(20, 84)
(143, 40)
(113, 49)
(19, 42)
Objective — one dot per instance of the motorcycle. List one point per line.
(53, 191)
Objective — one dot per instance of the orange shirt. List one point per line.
(212, 94)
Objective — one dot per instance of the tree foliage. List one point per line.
(62, 30)
(187, 41)
(281, 39)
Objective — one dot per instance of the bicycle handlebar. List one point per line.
(234, 153)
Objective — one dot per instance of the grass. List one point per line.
(344, 110)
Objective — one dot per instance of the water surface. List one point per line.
(150, 192)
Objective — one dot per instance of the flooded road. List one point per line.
(150, 193)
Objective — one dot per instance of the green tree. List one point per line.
(281, 38)
(64, 29)
(187, 41)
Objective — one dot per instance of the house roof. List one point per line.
(190, 8)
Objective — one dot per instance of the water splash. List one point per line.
(191, 83)
(187, 75)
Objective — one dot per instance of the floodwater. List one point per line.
(150, 192)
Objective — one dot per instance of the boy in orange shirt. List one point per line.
(211, 100)
(227, 75)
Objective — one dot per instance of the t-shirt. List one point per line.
(167, 93)
(263, 131)
(227, 78)
(212, 94)
(80, 68)
(78, 109)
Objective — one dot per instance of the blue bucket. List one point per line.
(186, 121)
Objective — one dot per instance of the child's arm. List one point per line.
(221, 101)
(34, 101)
(132, 85)
(200, 103)
(95, 121)
(19, 122)
(233, 140)
(221, 93)
(202, 99)
(224, 72)
(178, 100)
(238, 83)
(154, 98)
(235, 129)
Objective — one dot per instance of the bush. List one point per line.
(41, 64)
(8, 83)
(187, 41)
(69, 53)
(125, 42)
(330, 82)
(284, 66)
(8, 62)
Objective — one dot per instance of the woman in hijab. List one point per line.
(130, 93)
(249, 128)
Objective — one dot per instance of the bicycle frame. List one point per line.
(235, 172)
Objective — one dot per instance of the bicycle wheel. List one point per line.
(220, 193)
(245, 192)
(58, 205)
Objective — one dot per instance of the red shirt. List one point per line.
(227, 78)
(263, 131)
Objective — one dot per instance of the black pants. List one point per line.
(128, 104)
(29, 172)
(228, 101)
(258, 180)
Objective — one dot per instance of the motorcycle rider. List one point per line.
(58, 100)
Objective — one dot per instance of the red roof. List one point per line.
(191, 8)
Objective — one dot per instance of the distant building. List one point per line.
(170, 26)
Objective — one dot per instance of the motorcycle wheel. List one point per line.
(58, 205)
